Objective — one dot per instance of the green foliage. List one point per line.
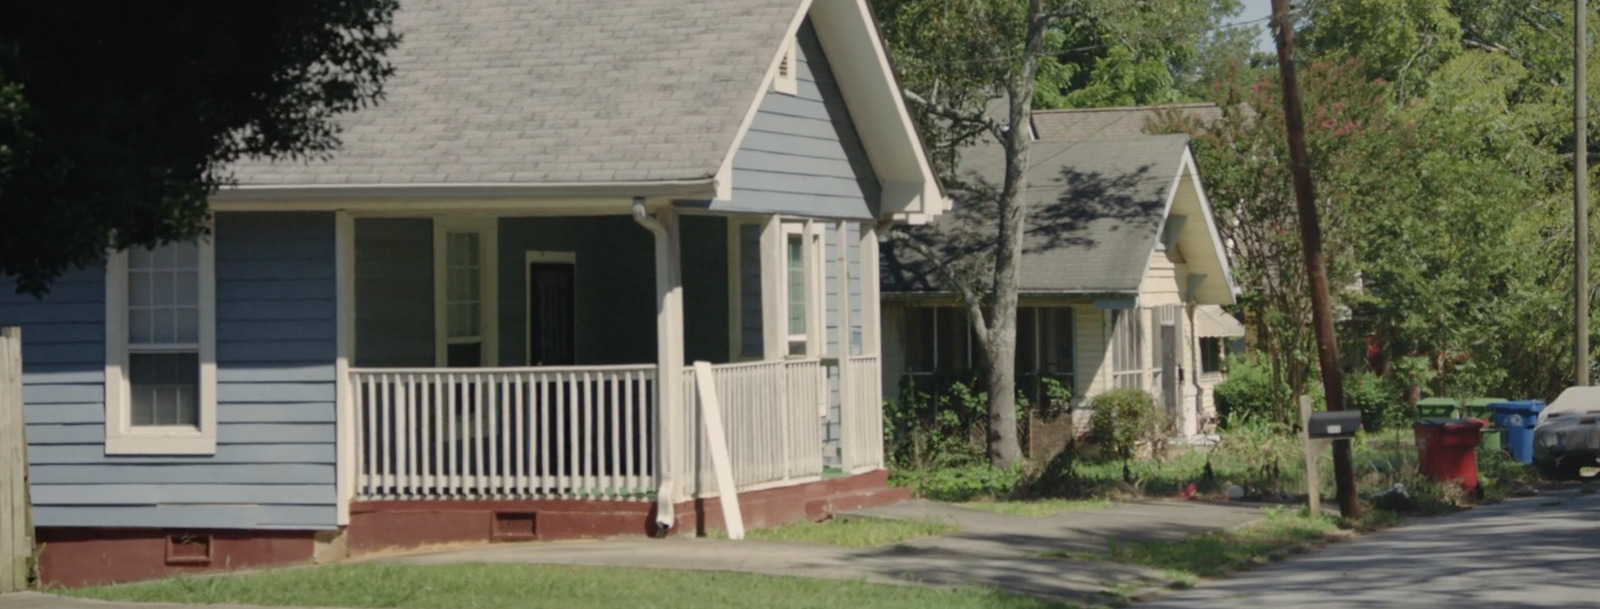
(939, 426)
(961, 483)
(115, 126)
(1122, 419)
(1378, 400)
(1249, 392)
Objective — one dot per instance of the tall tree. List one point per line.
(119, 119)
(956, 57)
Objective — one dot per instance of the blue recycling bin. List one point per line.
(1518, 418)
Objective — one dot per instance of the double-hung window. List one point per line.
(802, 290)
(464, 292)
(161, 350)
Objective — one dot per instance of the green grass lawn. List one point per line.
(852, 533)
(1039, 507)
(1221, 552)
(496, 586)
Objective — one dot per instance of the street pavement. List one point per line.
(1526, 553)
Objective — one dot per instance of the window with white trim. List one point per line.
(1127, 346)
(802, 290)
(161, 350)
(464, 294)
(1210, 355)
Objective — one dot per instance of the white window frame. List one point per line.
(530, 257)
(785, 78)
(122, 437)
(489, 269)
(811, 252)
(1128, 333)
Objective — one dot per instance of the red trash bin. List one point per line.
(1448, 450)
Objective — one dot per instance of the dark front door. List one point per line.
(550, 306)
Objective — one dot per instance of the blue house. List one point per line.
(477, 319)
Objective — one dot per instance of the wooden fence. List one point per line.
(16, 517)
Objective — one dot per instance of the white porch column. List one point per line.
(669, 358)
(344, 256)
(774, 311)
(849, 436)
(871, 304)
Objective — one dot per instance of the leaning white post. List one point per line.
(717, 441)
(669, 356)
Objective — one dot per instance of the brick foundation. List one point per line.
(75, 557)
(85, 556)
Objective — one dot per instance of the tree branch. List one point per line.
(970, 297)
(956, 116)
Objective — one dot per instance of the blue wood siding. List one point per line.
(750, 327)
(274, 464)
(802, 154)
(394, 292)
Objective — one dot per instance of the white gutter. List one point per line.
(665, 496)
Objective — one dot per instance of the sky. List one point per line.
(1255, 11)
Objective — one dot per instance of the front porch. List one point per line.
(536, 359)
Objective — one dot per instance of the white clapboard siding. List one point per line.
(505, 433)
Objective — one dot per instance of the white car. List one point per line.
(1567, 438)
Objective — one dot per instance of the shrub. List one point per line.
(935, 427)
(1122, 419)
(961, 483)
(1379, 401)
(1249, 392)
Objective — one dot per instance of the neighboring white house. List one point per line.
(1122, 277)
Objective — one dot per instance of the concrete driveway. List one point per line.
(1525, 553)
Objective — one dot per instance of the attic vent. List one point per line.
(786, 82)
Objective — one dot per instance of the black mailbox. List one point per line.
(1341, 424)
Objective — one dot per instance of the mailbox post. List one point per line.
(1319, 430)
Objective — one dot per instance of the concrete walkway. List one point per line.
(1527, 553)
(993, 550)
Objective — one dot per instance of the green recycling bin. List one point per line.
(1438, 408)
(1478, 408)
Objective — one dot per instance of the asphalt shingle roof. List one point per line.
(554, 91)
(1095, 210)
(1088, 124)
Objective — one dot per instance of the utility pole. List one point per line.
(1580, 191)
(1311, 242)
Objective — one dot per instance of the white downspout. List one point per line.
(669, 361)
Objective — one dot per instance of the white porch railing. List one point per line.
(504, 433)
(861, 414)
(772, 415)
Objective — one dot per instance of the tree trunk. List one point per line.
(999, 330)
(1004, 448)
